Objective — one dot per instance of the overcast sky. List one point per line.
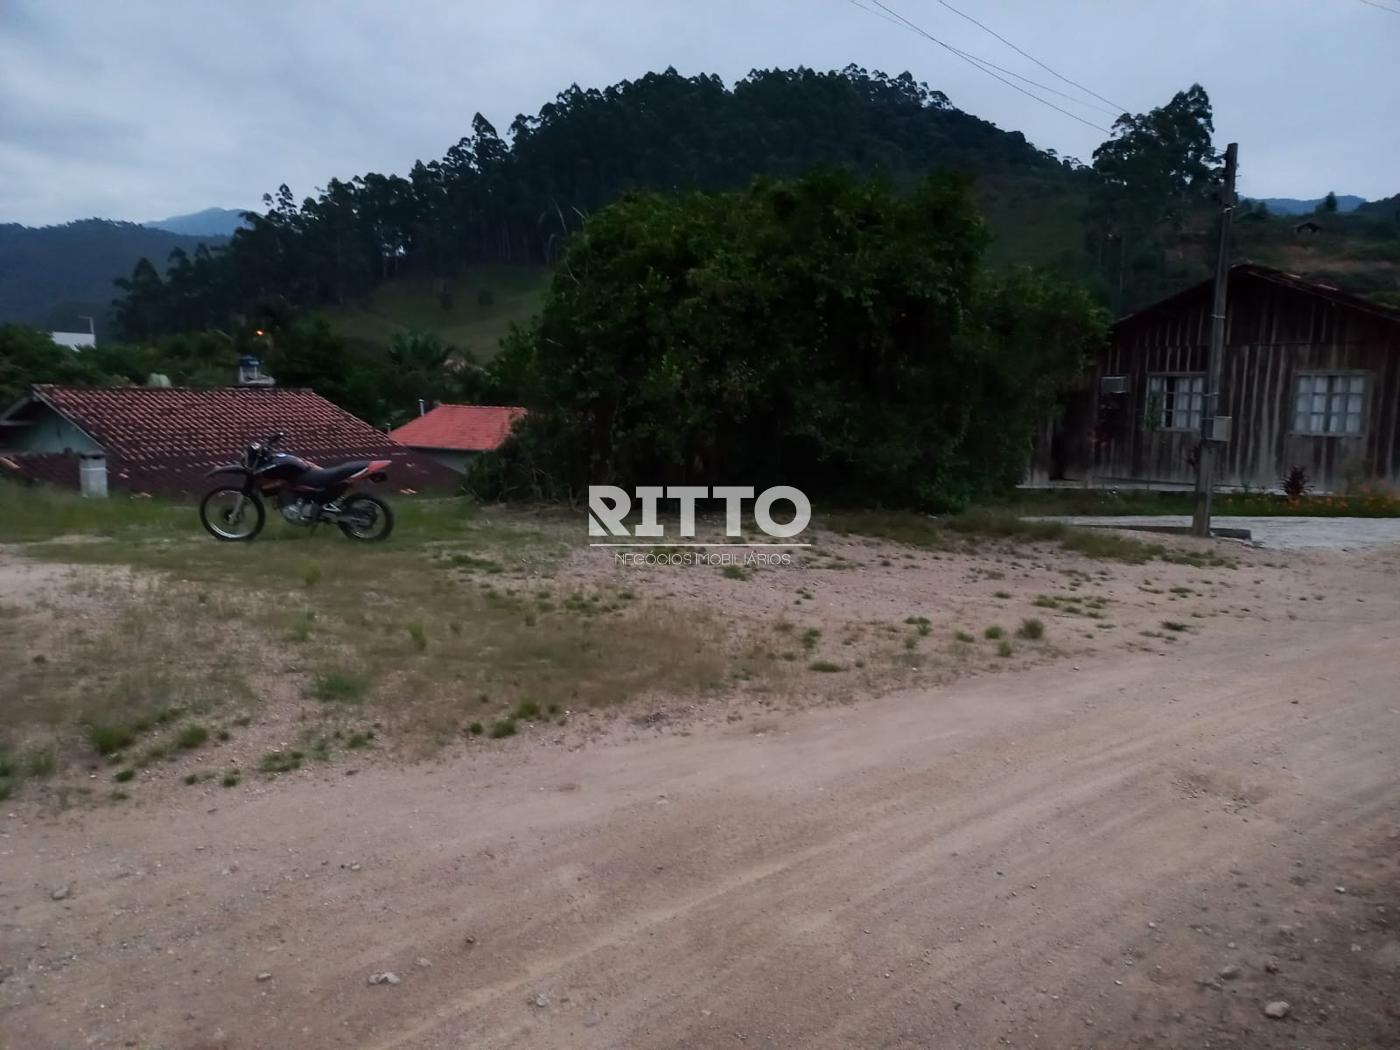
(140, 109)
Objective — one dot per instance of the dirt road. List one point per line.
(1057, 857)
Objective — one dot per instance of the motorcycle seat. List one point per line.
(326, 477)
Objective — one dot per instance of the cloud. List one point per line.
(152, 107)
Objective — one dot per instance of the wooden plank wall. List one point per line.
(1273, 333)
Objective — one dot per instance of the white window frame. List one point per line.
(1330, 403)
(1175, 415)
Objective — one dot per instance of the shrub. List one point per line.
(339, 685)
(107, 738)
(1295, 483)
(1031, 629)
(191, 737)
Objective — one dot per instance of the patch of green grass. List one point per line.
(810, 637)
(418, 635)
(1004, 648)
(993, 633)
(476, 729)
(824, 667)
(963, 636)
(107, 738)
(230, 779)
(123, 775)
(1173, 625)
(526, 711)
(311, 574)
(1031, 628)
(192, 736)
(41, 763)
(1044, 601)
(302, 626)
(1002, 595)
(359, 741)
(281, 761)
(471, 311)
(921, 623)
(340, 685)
(473, 562)
(41, 512)
(1108, 545)
(502, 727)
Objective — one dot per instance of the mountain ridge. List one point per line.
(207, 222)
(50, 275)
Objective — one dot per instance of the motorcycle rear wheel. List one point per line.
(217, 512)
(373, 518)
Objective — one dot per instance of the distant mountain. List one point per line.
(211, 222)
(49, 275)
(1296, 206)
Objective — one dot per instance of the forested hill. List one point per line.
(50, 275)
(516, 198)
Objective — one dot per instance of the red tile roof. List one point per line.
(460, 428)
(166, 438)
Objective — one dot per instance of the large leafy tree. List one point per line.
(825, 332)
(1154, 171)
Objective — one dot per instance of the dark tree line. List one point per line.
(518, 198)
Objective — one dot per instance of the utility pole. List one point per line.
(1215, 430)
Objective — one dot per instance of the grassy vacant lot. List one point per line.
(471, 312)
(459, 625)
(152, 652)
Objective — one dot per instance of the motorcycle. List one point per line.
(305, 495)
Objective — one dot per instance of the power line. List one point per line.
(1383, 7)
(976, 64)
(1118, 110)
(878, 14)
(993, 65)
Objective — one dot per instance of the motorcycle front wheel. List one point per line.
(231, 515)
(364, 517)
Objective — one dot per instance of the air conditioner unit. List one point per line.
(1113, 384)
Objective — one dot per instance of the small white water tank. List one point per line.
(92, 476)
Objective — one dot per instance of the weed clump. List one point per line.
(1032, 629)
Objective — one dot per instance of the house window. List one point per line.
(1329, 403)
(1175, 402)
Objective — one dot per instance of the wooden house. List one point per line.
(1310, 379)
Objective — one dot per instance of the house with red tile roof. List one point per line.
(165, 439)
(455, 435)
